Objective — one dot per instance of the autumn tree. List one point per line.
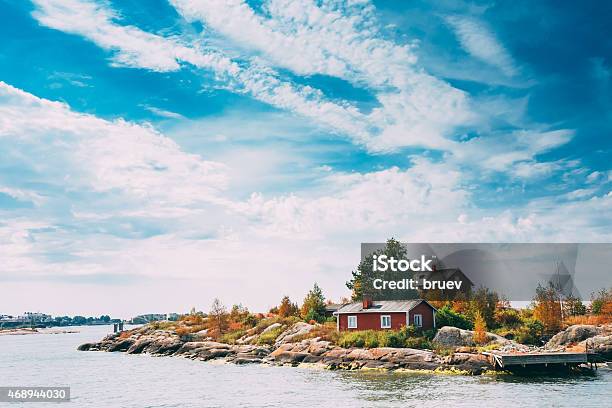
(217, 318)
(547, 308)
(288, 308)
(480, 329)
(313, 307)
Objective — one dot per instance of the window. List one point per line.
(352, 322)
(385, 322)
(418, 320)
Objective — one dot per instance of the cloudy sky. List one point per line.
(156, 154)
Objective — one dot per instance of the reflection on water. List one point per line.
(120, 380)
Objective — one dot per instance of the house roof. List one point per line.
(332, 307)
(447, 273)
(382, 306)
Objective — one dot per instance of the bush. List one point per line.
(447, 317)
(509, 318)
(531, 332)
(405, 337)
(351, 339)
(418, 343)
(588, 319)
(231, 337)
(270, 337)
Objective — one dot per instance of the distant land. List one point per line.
(42, 320)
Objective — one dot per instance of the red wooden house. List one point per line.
(386, 314)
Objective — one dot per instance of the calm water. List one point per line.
(120, 380)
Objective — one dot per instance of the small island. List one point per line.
(311, 336)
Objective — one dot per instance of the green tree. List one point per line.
(313, 307)
(601, 303)
(483, 301)
(573, 306)
(362, 279)
(445, 316)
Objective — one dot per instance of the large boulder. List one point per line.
(601, 344)
(293, 332)
(86, 346)
(572, 335)
(271, 327)
(449, 336)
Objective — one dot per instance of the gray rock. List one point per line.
(271, 327)
(449, 336)
(298, 329)
(86, 346)
(573, 334)
(122, 345)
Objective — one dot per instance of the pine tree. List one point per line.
(313, 307)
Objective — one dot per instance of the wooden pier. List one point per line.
(509, 361)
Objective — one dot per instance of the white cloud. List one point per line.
(341, 40)
(594, 177)
(501, 152)
(139, 49)
(417, 109)
(479, 41)
(163, 113)
(80, 151)
(23, 195)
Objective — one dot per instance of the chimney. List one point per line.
(367, 302)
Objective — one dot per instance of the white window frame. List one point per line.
(349, 320)
(418, 320)
(382, 322)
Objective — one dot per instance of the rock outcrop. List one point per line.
(309, 351)
(454, 337)
(295, 331)
(576, 334)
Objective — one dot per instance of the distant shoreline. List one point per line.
(26, 331)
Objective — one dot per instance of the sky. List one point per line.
(157, 154)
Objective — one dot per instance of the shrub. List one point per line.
(447, 317)
(588, 319)
(269, 337)
(231, 337)
(508, 318)
(405, 337)
(418, 343)
(531, 332)
(351, 339)
(162, 325)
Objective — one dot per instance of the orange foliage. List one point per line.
(192, 320)
(588, 319)
(125, 334)
(233, 326)
(460, 306)
(480, 329)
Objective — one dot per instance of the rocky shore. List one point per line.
(289, 350)
(308, 352)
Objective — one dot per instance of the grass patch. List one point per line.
(270, 337)
(231, 337)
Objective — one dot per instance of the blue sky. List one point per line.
(245, 149)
